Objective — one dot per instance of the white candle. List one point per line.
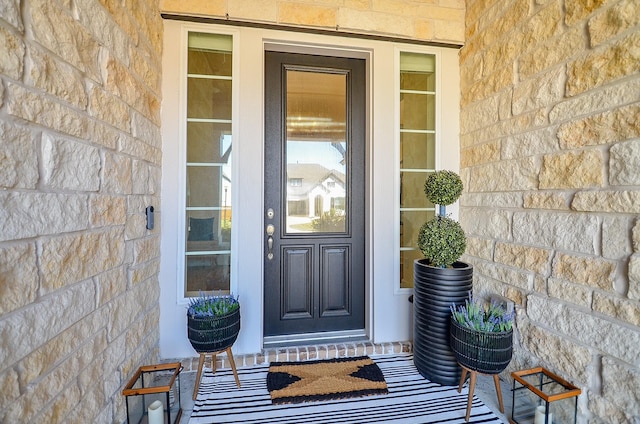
(540, 416)
(156, 413)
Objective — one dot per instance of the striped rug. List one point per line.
(411, 399)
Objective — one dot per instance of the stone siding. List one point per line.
(79, 161)
(434, 20)
(550, 154)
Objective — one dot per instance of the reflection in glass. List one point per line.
(316, 152)
(208, 168)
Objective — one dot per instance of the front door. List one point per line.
(314, 272)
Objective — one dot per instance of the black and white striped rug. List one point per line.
(411, 399)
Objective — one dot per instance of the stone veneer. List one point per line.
(79, 161)
(434, 20)
(550, 157)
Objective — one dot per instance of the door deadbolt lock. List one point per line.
(270, 213)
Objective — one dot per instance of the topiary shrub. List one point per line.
(442, 240)
(443, 187)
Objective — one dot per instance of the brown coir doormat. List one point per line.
(296, 382)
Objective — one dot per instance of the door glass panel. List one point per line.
(316, 152)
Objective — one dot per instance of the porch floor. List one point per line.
(485, 390)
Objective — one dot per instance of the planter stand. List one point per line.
(203, 356)
(472, 386)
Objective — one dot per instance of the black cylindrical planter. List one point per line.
(434, 290)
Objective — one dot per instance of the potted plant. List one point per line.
(482, 336)
(213, 322)
(439, 280)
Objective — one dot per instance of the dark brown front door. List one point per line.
(314, 194)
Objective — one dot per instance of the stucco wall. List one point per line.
(550, 156)
(436, 20)
(79, 161)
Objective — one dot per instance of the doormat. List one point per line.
(340, 378)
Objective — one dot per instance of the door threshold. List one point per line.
(315, 338)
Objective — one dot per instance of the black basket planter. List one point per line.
(215, 333)
(435, 290)
(481, 351)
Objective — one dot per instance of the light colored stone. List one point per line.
(492, 200)
(607, 201)
(618, 18)
(615, 237)
(486, 223)
(99, 23)
(609, 97)
(253, 10)
(582, 169)
(68, 259)
(480, 248)
(18, 157)
(139, 149)
(502, 53)
(556, 351)
(485, 88)
(635, 233)
(617, 307)
(578, 10)
(149, 269)
(573, 293)
(124, 85)
(609, 337)
(58, 32)
(530, 143)
(109, 108)
(564, 231)
(521, 174)
(107, 210)
(9, 386)
(309, 15)
(624, 163)
(57, 78)
(42, 110)
(145, 130)
(546, 200)
(609, 127)
(24, 215)
(19, 277)
(634, 277)
(10, 12)
(524, 257)
(604, 64)
(41, 321)
(621, 382)
(545, 24)
(146, 249)
(481, 153)
(587, 270)
(70, 165)
(552, 53)
(506, 275)
(117, 174)
(479, 115)
(448, 30)
(605, 411)
(12, 52)
(48, 357)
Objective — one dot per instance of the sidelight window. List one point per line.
(417, 153)
(208, 212)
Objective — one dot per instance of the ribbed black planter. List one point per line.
(213, 334)
(482, 351)
(435, 289)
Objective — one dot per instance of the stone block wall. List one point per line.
(79, 161)
(434, 20)
(550, 157)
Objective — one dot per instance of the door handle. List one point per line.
(270, 230)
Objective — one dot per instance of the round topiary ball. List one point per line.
(442, 241)
(443, 187)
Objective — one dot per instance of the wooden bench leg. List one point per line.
(203, 357)
(463, 377)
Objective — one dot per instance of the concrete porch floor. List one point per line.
(485, 389)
